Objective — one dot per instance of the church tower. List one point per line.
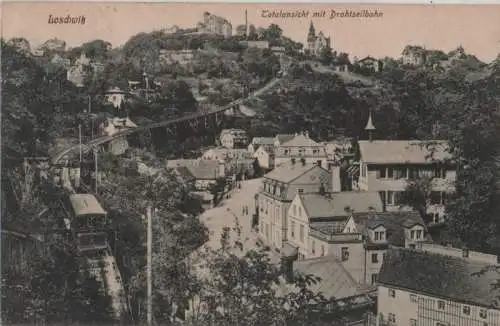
(311, 36)
(370, 127)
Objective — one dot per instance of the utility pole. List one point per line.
(96, 173)
(149, 268)
(80, 141)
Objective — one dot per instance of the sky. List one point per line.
(443, 27)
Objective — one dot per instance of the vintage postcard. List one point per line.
(250, 164)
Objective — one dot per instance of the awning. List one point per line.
(289, 251)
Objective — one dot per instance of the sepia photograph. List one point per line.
(234, 164)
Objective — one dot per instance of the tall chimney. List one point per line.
(246, 24)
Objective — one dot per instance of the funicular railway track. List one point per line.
(101, 262)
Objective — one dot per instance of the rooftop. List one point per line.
(340, 204)
(263, 141)
(403, 151)
(204, 169)
(283, 138)
(336, 282)
(300, 140)
(288, 172)
(441, 276)
(85, 204)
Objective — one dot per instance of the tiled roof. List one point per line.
(204, 169)
(263, 141)
(335, 281)
(394, 223)
(184, 173)
(289, 172)
(441, 276)
(402, 151)
(340, 204)
(300, 141)
(283, 138)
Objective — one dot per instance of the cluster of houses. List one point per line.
(372, 252)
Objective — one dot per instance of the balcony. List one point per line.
(340, 237)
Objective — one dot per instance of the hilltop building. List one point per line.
(213, 24)
(316, 43)
(414, 55)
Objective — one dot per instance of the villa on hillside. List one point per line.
(316, 43)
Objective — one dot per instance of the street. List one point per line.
(226, 213)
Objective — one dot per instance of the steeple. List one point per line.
(312, 32)
(370, 127)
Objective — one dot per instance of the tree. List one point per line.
(242, 287)
(326, 55)
(273, 32)
(417, 195)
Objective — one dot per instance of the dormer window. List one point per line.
(379, 235)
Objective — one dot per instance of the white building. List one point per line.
(265, 157)
(111, 127)
(301, 148)
(115, 96)
(234, 138)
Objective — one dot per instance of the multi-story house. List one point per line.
(300, 148)
(358, 239)
(257, 142)
(226, 154)
(316, 43)
(414, 55)
(387, 166)
(213, 24)
(370, 64)
(339, 150)
(436, 288)
(265, 157)
(278, 191)
(234, 138)
(113, 126)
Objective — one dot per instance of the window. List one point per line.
(313, 247)
(293, 229)
(413, 322)
(382, 173)
(345, 253)
(390, 172)
(412, 234)
(322, 250)
(319, 162)
(392, 293)
(390, 198)
(374, 258)
(466, 310)
(413, 298)
(379, 235)
(300, 211)
(441, 304)
(300, 191)
(301, 233)
(286, 151)
(391, 317)
(374, 278)
(483, 313)
(419, 234)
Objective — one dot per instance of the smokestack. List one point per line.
(246, 24)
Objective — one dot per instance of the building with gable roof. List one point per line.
(277, 192)
(257, 142)
(301, 148)
(353, 227)
(435, 287)
(316, 43)
(282, 138)
(387, 166)
(265, 157)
